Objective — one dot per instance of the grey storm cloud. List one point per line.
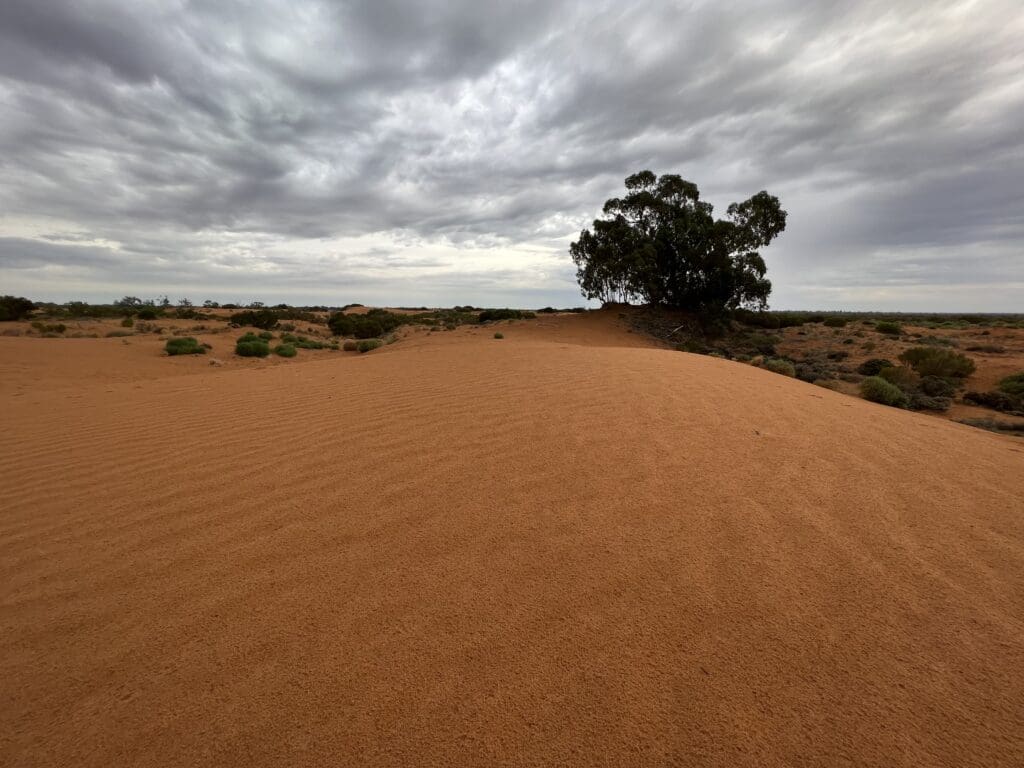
(450, 149)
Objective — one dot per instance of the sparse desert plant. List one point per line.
(888, 327)
(903, 377)
(873, 366)
(878, 390)
(118, 334)
(933, 361)
(266, 335)
(933, 386)
(997, 401)
(775, 365)
(839, 354)
(128, 322)
(499, 335)
(260, 318)
(922, 402)
(252, 348)
(994, 425)
(184, 345)
(490, 315)
(834, 322)
(1013, 385)
(868, 346)
(366, 345)
(285, 350)
(350, 346)
(990, 349)
(45, 328)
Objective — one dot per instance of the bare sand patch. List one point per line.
(561, 548)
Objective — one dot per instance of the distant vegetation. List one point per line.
(15, 308)
(184, 345)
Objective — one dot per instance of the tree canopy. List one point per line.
(661, 245)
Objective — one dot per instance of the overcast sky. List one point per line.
(447, 151)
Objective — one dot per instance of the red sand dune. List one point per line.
(560, 548)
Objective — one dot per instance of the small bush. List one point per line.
(261, 318)
(933, 386)
(994, 425)
(997, 401)
(889, 328)
(873, 366)
(784, 367)
(944, 363)
(285, 350)
(366, 345)
(922, 402)
(835, 322)
(252, 348)
(1013, 385)
(761, 343)
(903, 377)
(838, 354)
(490, 315)
(147, 313)
(868, 346)
(118, 334)
(266, 335)
(249, 337)
(128, 322)
(878, 390)
(184, 345)
(499, 335)
(991, 349)
(350, 346)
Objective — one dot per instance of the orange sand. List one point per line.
(560, 548)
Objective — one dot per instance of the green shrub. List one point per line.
(888, 327)
(128, 322)
(350, 346)
(118, 334)
(903, 377)
(784, 367)
(266, 335)
(839, 354)
(183, 345)
(15, 307)
(933, 361)
(997, 401)
(260, 318)
(249, 337)
(878, 390)
(147, 313)
(933, 386)
(252, 348)
(873, 366)
(835, 322)
(490, 315)
(922, 402)
(991, 349)
(761, 343)
(499, 335)
(285, 350)
(1013, 385)
(365, 345)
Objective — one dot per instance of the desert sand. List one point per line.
(566, 547)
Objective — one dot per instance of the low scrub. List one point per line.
(922, 402)
(994, 425)
(996, 400)
(491, 315)
(184, 345)
(934, 361)
(350, 346)
(257, 318)
(254, 347)
(933, 386)
(285, 350)
(903, 377)
(889, 328)
(835, 322)
(991, 349)
(15, 307)
(118, 334)
(367, 345)
(499, 335)
(1013, 385)
(873, 366)
(878, 390)
(784, 367)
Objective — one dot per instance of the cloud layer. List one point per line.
(446, 151)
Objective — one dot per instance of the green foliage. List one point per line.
(991, 349)
(933, 361)
(266, 335)
(255, 347)
(1013, 385)
(257, 318)
(49, 328)
(996, 400)
(761, 343)
(15, 308)
(285, 350)
(994, 425)
(118, 334)
(350, 346)
(660, 244)
(128, 322)
(366, 345)
(878, 390)
(148, 313)
(888, 327)
(491, 315)
(922, 402)
(184, 345)
(873, 366)
(834, 321)
(374, 323)
(784, 367)
(903, 377)
(933, 386)
(499, 335)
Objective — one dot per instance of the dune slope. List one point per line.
(464, 551)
